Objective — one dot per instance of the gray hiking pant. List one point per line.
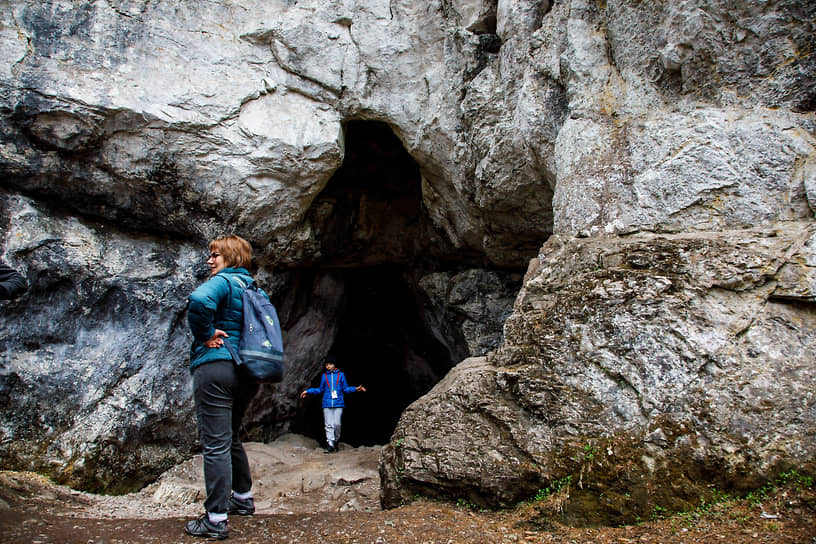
(221, 398)
(331, 422)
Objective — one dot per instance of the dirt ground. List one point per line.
(306, 496)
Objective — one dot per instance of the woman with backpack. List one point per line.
(215, 311)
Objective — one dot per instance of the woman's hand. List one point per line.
(361, 389)
(303, 395)
(217, 339)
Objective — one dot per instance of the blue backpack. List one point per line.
(260, 349)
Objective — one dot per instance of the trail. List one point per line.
(304, 495)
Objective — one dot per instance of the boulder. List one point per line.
(643, 370)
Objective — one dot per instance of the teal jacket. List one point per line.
(214, 305)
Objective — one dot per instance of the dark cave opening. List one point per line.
(382, 343)
(375, 240)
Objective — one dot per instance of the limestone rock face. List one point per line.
(94, 367)
(153, 127)
(644, 368)
(396, 165)
(191, 118)
(683, 126)
(659, 330)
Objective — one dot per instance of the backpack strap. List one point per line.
(225, 277)
(235, 357)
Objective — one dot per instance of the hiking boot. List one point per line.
(242, 507)
(206, 528)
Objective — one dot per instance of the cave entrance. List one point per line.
(381, 342)
(377, 292)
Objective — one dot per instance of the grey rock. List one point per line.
(474, 301)
(95, 387)
(628, 362)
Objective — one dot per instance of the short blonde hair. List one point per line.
(236, 251)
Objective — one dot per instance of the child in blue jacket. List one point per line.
(333, 386)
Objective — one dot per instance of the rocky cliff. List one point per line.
(396, 165)
(660, 349)
(642, 370)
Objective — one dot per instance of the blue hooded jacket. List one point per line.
(215, 304)
(332, 381)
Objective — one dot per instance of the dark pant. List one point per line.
(221, 398)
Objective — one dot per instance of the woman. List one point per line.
(215, 312)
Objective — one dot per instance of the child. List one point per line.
(333, 386)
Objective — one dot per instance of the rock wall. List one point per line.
(94, 388)
(646, 368)
(661, 342)
(152, 127)
(650, 138)
(232, 115)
